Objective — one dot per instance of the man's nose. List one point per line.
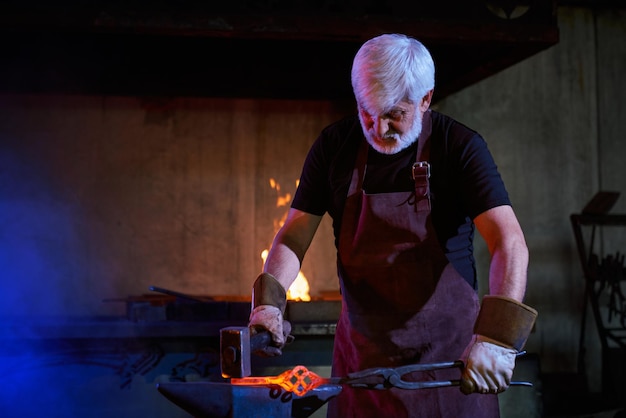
(382, 126)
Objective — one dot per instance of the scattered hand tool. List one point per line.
(179, 295)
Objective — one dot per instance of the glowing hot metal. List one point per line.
(298, 380)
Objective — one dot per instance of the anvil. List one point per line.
(223, 400)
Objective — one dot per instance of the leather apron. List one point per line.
(403, 302)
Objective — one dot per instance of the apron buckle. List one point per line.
(421, 169)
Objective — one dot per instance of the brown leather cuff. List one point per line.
(268, 291)
(505, 320)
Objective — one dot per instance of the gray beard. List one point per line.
(399, 142)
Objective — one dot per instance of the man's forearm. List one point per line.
(290, 245)
(283, 264)
(508, 272)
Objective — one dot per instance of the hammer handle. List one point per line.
(260, 340)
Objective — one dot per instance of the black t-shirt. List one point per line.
(465, 181)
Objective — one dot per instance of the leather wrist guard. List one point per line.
(505, 320)
(268, 291)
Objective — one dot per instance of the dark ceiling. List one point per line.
(264, 48)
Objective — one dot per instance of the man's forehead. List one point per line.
(376, 108)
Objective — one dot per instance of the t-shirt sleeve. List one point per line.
(481, 183)
(312, 194)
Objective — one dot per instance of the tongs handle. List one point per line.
(403, 384)
(392, 377)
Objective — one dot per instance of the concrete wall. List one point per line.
(102, 197)
(555, 126)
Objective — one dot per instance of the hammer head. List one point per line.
(235, 352)
(236, 346)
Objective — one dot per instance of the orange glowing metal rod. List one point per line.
(298, 380)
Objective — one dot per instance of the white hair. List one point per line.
(390, 68)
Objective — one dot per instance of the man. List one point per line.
(405, 187)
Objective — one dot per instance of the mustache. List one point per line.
(391, 135)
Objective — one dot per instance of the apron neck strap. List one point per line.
(421, 168)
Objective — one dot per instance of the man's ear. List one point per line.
(425, 103)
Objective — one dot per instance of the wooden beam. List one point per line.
(143, 47)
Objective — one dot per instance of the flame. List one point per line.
(299, 289)
(281, 202)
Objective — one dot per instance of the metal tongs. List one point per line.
(300, 380)
(392, 377)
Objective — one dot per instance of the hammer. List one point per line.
(236, 346)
